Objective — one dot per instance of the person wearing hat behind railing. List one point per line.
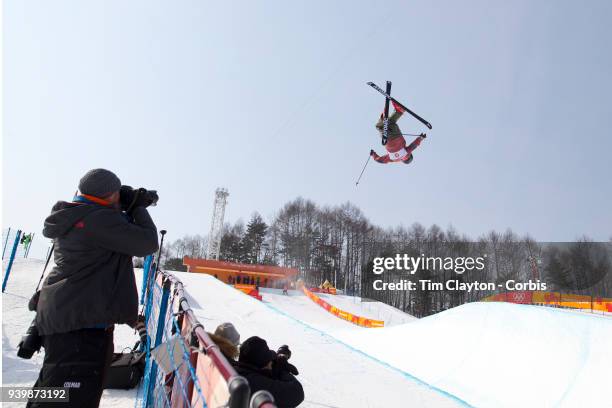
(227, 338)
(266, 370)
(92, 286)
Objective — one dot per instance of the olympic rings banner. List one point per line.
(554, 299)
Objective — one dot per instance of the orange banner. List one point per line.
(250, 290)
(554, 299)
(358, 320)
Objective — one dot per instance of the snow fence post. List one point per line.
(27, 250)
(161, 319)
(8, 234)
(31, 242)
(10, 264)
(145, 277)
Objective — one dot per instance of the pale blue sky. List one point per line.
(269, 99)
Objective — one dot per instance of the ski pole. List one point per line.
(364, 167)
(29, 245)
(45, 268)
(159, 254)
(6, 242)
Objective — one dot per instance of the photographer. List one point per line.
(92, 287)
(266, 370)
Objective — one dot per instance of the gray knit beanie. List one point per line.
(99, 183)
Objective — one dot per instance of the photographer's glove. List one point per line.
(146, 198)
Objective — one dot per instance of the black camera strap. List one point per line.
(131, 206)
(45, 268)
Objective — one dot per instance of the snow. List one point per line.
(333, 374)
(479, 354)
(370, 309)
(300, 307)
(502, 355)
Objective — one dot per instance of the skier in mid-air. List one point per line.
(397, 151)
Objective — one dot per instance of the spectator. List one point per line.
(92, 287)
(264, 370)
(227, 338)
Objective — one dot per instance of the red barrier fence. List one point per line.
(200, 375)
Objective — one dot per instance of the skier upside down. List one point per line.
(397, 151)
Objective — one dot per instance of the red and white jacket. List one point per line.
(397, 151)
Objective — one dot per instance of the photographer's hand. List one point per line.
(146, 198)
(280, 365)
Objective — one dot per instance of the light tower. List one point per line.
(216, 225)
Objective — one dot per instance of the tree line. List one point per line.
(339, 244)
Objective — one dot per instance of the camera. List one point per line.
(30, 343)
(131, 198)
(284, 351)
(281, 364)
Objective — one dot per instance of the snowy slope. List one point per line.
(333, 374)
(372, 310)
(16, 318)
(502, 355)
(486, 354)
(299, 306)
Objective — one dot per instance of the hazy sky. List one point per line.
(268, 99)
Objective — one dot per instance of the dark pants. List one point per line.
(77, 360)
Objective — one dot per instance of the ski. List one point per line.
(420, 119)
(386, 115)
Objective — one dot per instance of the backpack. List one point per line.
(126, 370)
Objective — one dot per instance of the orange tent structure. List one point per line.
(233, 272)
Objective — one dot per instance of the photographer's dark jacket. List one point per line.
(93, 283)
(284, 387)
